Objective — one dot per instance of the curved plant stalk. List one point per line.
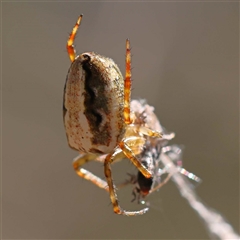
(215, 223)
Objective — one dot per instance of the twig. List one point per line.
(216, 225)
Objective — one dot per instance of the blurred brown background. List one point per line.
(185, 63)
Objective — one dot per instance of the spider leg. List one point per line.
(127, 85)
(82, 172)
(146, 131)
(161, 184)
(131, 156)
(119, 156)
(82, 159)
(70, 48)
(113, 196)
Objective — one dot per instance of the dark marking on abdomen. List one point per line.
(96, 103)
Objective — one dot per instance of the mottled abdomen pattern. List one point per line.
(93, 104)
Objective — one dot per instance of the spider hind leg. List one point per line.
(82, 172)
(113, 195)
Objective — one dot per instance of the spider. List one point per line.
(97, 116)
(151, 156)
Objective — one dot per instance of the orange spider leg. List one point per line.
(127, 85)
(70, 47)
(135, 143)
(131, 156)
(113, 196)
(81, 172)
(146, 131)
(87, 175)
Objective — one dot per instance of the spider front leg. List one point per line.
(146, 131)
(113, 196)
(131, 156)
(127, 85)
(70, 47)
(127, 97)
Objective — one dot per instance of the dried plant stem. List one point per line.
(216, 225)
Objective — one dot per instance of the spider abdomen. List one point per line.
(94, 104)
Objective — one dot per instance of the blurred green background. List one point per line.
(185, 63)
